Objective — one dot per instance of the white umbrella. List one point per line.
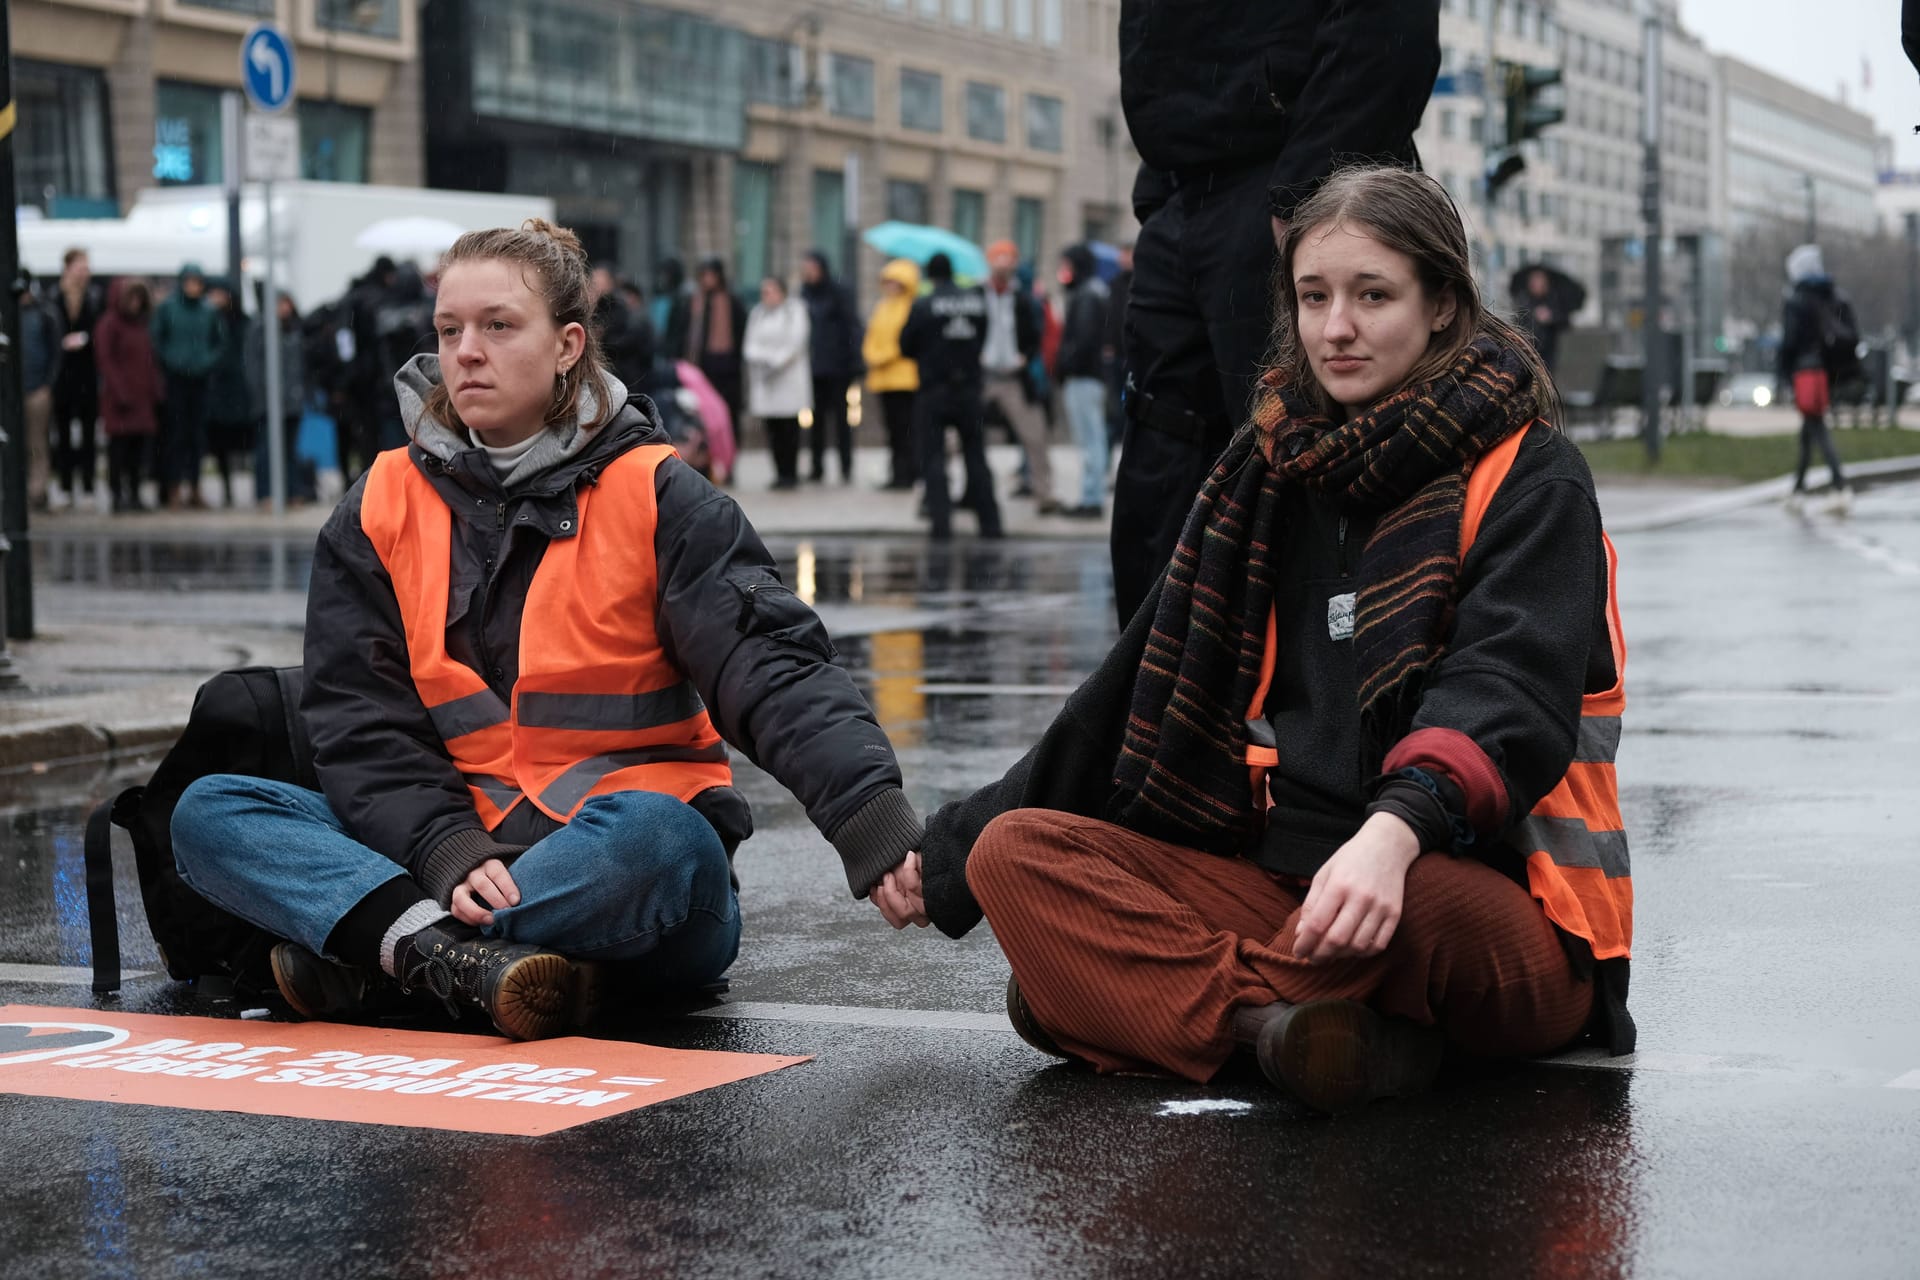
(409, 237)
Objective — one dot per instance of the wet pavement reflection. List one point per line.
(1768, 783)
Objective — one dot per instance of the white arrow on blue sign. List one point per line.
(266, 67)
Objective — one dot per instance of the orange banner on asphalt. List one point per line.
(367, 1075)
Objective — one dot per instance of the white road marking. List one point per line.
(1201, 1106)
(59, 975)
(858, 1016)
(1911, 1080)
(1866, 548)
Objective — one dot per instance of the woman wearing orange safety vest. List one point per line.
(1343, 793)
(530, 636)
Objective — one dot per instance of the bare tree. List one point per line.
(1869, 269)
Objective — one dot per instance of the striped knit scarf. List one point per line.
(1181, 774)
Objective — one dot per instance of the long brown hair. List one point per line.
(558, 273)
(1410, 212)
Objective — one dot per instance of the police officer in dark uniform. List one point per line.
(944, 333)
(1238, 110)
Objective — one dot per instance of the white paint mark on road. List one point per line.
(1868, 549)
(1789, 884)
(857, 1016)
(1202, 1106)
(58, 975)
(1911, 1080)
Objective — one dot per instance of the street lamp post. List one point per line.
(16, 547)
(1652, 379)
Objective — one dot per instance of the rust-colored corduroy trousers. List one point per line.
(1134, 953)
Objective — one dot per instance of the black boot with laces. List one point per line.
(528, 991)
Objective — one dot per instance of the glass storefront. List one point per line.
(753, 186)
(907, 201)
(969, 214)
(829, 221)
(333, 141)
(187, 147)
(1029, 225)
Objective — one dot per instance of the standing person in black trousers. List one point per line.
(1239, 111)
(76, 385)
(835, 360)
(716, 325)
(945, 332)
(1819, 337)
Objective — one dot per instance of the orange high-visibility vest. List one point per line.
(1574, 839)
(597, 708)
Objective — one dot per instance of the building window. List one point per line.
(776, 72)
(993, 15)
(850, 86)
(961, 11)
(907, 201)
(752, 222)
(333, 141)
(1053, 27)
(970, 215)
(380, 18)
(1029, 224)
(1046, 123)
(187, 146)
(986, 112)
(830, 216)
(1023, 19)
(63, 150)
(247, 8)
(920, 101)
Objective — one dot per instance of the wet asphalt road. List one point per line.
(1770, 1125)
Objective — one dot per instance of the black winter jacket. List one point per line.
(1297, 84)
(1083, 335)
(834, 332)
(945, 332)
(758, 656)
(1529, 636)
(1801, 343)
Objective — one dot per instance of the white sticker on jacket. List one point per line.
(1340, 617)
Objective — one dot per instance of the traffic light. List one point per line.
(1530, 105)
(1533, 103)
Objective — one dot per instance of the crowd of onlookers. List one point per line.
(165, 377)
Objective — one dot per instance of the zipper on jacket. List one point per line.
(492, 567)
(1342, 539)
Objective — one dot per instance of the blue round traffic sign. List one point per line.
(266, 67)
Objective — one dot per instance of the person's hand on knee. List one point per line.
(487, 886)
(1354, 904)
(899, 897)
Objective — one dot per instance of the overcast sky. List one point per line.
(1823, 44)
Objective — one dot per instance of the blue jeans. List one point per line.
(1087, 414)
(635, 874)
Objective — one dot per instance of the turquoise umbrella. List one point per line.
(918, 243)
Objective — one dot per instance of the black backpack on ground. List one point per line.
(244, 721)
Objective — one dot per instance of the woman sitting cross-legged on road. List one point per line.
(1392, 612)
(527, 635)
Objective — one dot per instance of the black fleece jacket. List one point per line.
(1528, 638)
(756, 654)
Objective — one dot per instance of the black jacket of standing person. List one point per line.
(1083, 336)
(1216, 84)
(836, 331)
(945, 331)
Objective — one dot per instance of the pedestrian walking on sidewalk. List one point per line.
(76, 389)
(1343, 793)
(944, 334)
(525, 795)
(833, 359)
(1013, 344)
(894, 378)
(1082, 368)
(187, 336)
(39, 367)
(779, 383)
(1819, 348)
(130, 393)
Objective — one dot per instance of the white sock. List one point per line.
(415, 918)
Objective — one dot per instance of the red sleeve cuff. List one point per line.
(1460, 759)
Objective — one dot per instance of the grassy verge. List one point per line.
(1738, 459)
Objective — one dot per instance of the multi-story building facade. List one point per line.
(756, 130)
(118, 95)
(1791, 153)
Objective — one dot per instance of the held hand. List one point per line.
(898, 895)
(487, 886)
(1354, 904)
(74, 341)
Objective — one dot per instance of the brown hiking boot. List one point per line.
(530, 993)
(1335, 1055)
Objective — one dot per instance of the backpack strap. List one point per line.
(103, 922)
(290, 679)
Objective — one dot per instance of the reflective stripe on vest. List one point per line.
(597, 707)
(1574, 839)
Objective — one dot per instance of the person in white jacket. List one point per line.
(779, 375)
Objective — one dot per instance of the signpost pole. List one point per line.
(273, 153)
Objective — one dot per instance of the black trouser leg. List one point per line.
(1197, 327)
(783, 441)
(930, 442)
(1807, 428)
(973, 448)
(896, 412)
(1824, 438)
(830, 426)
